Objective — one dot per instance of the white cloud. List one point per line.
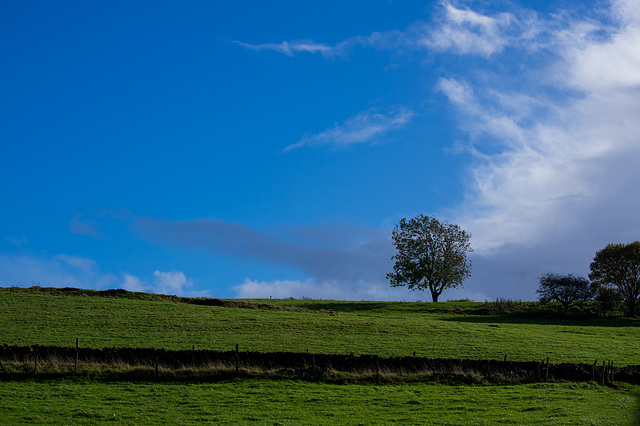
(133, 283)
(467, 32)
(614, 64)
(173, 282)
(366, 126)
(325, 289)
(277, 289)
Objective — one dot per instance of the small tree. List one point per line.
(618, 266)
(431, 255)
(565, 289)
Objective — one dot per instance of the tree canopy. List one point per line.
(565, 289)
(431, 255)
(618, 266)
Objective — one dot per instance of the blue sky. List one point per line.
(256, 149)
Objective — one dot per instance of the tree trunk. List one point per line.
(631, 309)
(434, 295)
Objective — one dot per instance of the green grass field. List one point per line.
(377, 328)
(447, 330)
(301, 403)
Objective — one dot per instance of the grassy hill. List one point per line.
(449, 330)
(469, 330)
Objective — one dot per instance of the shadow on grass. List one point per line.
(546, 318)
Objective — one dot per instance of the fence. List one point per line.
(17, 362)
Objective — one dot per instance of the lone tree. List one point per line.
(618, 266)
(431, 255)
(565, 289)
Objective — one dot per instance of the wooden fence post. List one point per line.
(75, 367)
(594, 370)
(313, 363)
(237, 360)
(604, 370)
(546, 374)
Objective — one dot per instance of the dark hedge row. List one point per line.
(303, 363)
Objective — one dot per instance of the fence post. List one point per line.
(546, 374)
(237, 360)
(75, 367)
(594, 370)
(604, 369)
(313, 363)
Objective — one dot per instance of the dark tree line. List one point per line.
(614, 276)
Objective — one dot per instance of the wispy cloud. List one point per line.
(457, 29)
(386, 41)
(467, 32)
(290, 47)
(366, 126)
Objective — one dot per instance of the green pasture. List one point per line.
(446, 329)
(301, 403)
